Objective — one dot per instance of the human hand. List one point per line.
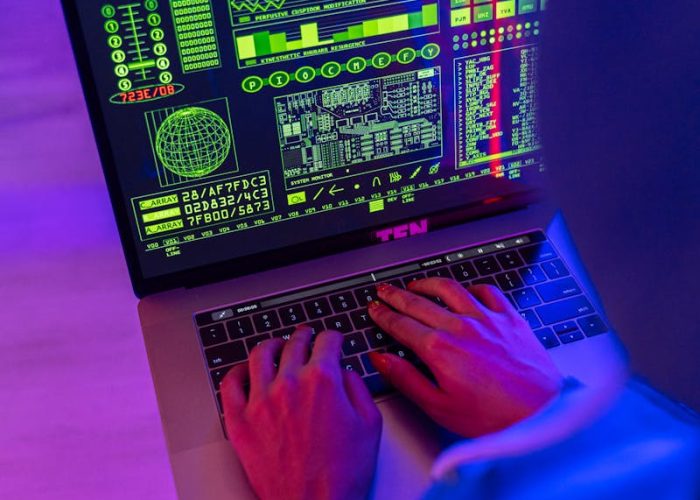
(490, 370)
(308, 429)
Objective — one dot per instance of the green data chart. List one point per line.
(253, 6)
(463, 13)
(496, 117)
(195, 31)
(192, 141)
(287, 40)
(323, 133)
(137, 42)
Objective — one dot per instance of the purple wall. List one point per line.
(77, 408)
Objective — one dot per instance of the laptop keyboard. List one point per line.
(526, 268)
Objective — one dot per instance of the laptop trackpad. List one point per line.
(410, 444)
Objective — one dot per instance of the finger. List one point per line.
(327, 349)
(491, 297)
(296, 351)
(417, 307)
(406, 379)
(407, 331)
(233, 394)
(359, 395)
(262, 366)
(454, 295)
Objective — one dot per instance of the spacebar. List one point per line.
(563, 310)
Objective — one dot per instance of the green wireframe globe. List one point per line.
(193, 142)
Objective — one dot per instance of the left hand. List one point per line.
(308, 430)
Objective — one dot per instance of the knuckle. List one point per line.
(284, 387)
(320, 373)
(434, 340)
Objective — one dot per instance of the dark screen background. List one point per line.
(361, 149)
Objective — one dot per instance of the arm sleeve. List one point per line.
(644, 446)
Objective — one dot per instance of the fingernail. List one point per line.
(383, 287)
(374, 304)
(303, 328)
(380, 362)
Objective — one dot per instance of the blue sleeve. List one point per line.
(644, 447)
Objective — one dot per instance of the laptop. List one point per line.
(270, 161)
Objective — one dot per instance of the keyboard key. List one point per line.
(316, 327)
(340, 323)
(213, 334)
(365, 295)
(555, 269)
(367, 364)
(352, 364)
(266, 321)
(413, 277)
(547, 337)
(538, 253)
(225, 354)
(377, 385)
(253, 342)
(559, 289)
(531, 319)
(442, 272)
(402, 352)
(526, 298)
(592, 325)
(284, 334)
(485, 281)
(464, 271)
(509, 281)
(240, 328)
(509, 260)
(567, 327)
(343, 302)
(318, 308)
(361, 319)
(570, 337)
(377, 338)
(354, 344)
(486, 265)
(218, 375)
(564, 310)
(292, 315)
(532, 275)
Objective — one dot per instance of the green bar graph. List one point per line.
(356, 32)
(278, 43)
(264, 43)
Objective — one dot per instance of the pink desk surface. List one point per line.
(78, 416)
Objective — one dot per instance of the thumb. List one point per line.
(405, 378)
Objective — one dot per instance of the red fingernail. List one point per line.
(380, 362)
(383, 287)
(374, 304)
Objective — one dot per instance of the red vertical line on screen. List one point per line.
(495, 142)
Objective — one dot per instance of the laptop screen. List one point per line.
(233, 128)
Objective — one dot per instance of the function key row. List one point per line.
(543, 265)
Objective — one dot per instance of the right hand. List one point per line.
(490, 370)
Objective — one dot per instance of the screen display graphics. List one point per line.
(242, 126)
